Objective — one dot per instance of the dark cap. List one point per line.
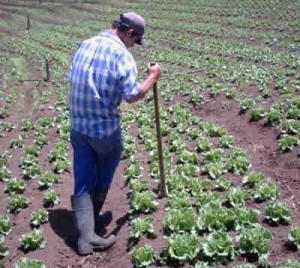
(136, 22)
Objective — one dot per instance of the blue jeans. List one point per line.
(95, 161)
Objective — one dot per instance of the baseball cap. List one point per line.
(136, 22)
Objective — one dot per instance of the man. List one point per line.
(103, 73)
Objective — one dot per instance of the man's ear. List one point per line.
(130, 32)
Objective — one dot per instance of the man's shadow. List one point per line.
(61, 222)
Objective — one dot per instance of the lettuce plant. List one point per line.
(33, 150)
(47, 179)
(133, 171)
(293, 113)
(143, 202)
(186, 156)
(4, 112)
(18, 142)
(213, 216)
(226, 141)
(238, 152)
(290, 126)
(214, 169)
(246, 104)
(245, 217)
(143, 256)
(204, 198)
(46, 122)
(5, 225)
(50, 198)
(32, 240)
(182, 126)
(4, 158)
(278, 211)
(202, 264)
(257, 114)
(286, 143)
(32, 171)
(239, 164)
(237, 197)
(29, 160)
(179, 199)
(215, 130)
(294, 236)
(179, 221)
(254, 240)
(213, 155)
(26, 125)
(141, 226)
(214, 91)
(26, 262)
(288, 263)
(230, 93)
(183, 247)
(177, 145)
(223, 184)
(5, 127)
(3, 249)
(145, 134)
(203, 144)
(58, 153)
(198, 185)
(17, 202)
(218, 246)
(265, 191)
(187, 169)
(252, 178)
(196, 98)
(194, 133)
(138, 185)
(61, 165)
(5, 174)
(164, 130)
(41, 139)
(274, 117)
(175, 182)
(39, 217)
(129, 145)
(15, 186)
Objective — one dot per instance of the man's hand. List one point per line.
(153, 75)
(154, 70)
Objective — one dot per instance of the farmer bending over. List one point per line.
(103, 73)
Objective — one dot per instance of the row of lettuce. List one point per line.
(16, 186)
(214, 213)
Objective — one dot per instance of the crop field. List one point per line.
(229, 105)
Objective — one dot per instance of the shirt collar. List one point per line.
(111, 35)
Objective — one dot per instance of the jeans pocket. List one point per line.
(77, 138)
(110, 144)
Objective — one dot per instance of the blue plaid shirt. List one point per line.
(103, 73)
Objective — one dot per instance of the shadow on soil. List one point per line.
(61, 222)
(120, 223)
